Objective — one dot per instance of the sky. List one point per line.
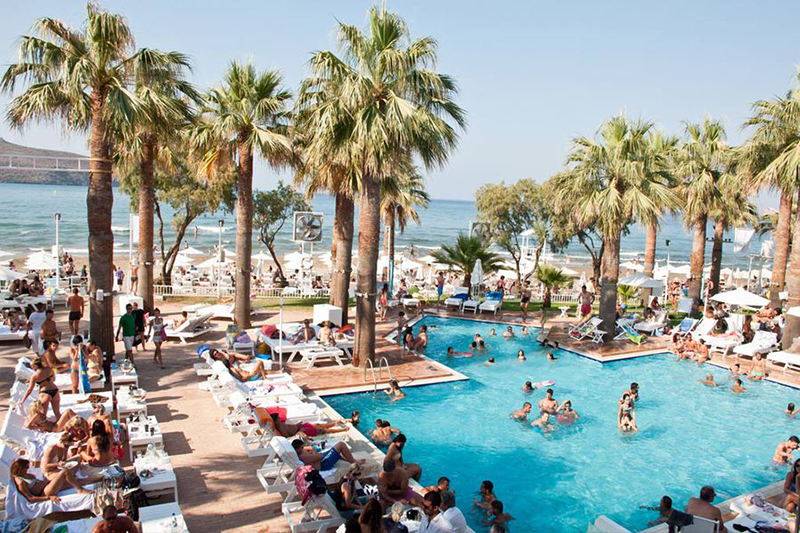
(532, 75)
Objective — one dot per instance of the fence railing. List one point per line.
(259, 292)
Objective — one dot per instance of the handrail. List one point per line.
(374, 379)
(380, 369)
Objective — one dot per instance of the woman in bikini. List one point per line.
(75, 352)
(157, 335)
(231, 362)
(626, 416)
(55, 458)
(383, 300)
(94, 361)
(45, 378)
(37, 417)
(39, 490)
(98, 453)
(290, 430)
(395, 392)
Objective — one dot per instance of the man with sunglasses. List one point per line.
(433, 520)
(704, 508)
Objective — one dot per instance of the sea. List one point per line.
(27, 224)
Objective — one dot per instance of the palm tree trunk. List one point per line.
(697, 261)
(244, 233)
(146, 203)
(716, 257)
(650, 249)
(783, 239)
(792, 329)
(390, 234)
(99, 202)
(343, 262)
(546, 298)
(608, 281)
(369, 233)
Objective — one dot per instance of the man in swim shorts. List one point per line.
(783, 453)
(393, 485)
(548, 404)
(326, 460)
(76, 309)
(522, 414)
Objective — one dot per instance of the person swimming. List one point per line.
(551, 357)
(543, 423)
(522, 413)
(737, 386)
(521, 355)
(790, 410)
(452, 353)
(509, 333)
(566, 414)
(394, 391)
(527, 387)
(524, 331)
(492, 332)
(626, 416)
(709, 381)
(490, 361)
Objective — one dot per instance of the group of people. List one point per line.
(133, 327)
(549, 411)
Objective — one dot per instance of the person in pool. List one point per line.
(626, 415)
(527, 388)
(633, 392)
(477, 338)
(522, 413)
(384, 432)
(709, 381)
(521, 355)
(783, 453)
(734, 371)
(509, 333)
(790, 410)
(548, 404)
(551, 357)
(758, 370)
(524, 331)
(496, 516)
(482, 347)
(395, 391)
(566, 414)
(664, 511)
(486, 491)
(543, 423)
(452, 353)
(737, 386)
(492, 333)
(326, 460)
(490, 361)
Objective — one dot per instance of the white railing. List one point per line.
(227, 291)
(44, 162)
(560, 297)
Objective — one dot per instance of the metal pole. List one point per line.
(749, 270)
(130, 249)
(280, 334)
(57, 217)
(760, 273)
(221, 224)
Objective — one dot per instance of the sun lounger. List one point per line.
(318, 514)
(685, 306)
(225, 311)
(653, 326)
(290, 351)
(588, 330)
(470, 305)
(722, 344)
(7, 335)
(458, 298)
(194, 327)
(704, 327)
(321, 353)
(23, 371)
(686, 325)
(627, 332)
(790, 361)
(577, 328)
(763, 342)
(410, 303)
(604, 524)
(493, 303)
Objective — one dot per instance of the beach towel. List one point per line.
(309, 482)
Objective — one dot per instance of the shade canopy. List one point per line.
(41, 261)
(740, 297)
(182, 261)
(640, 281)
(427, 259)
(6, 274)
(191, 252)
(630, 265)
(211, 263)
(261, 256)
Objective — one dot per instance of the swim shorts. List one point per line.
(308, 429)
(74, 315)
(329, 459)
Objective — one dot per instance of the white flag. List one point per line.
(742, 238)
(134, 228)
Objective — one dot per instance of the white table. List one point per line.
(119, 377)
(126, 404)
(158, 518)
(310, 355)
(163, 478)
(138, 437)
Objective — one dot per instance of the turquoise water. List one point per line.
(689, 435)
(27, 222)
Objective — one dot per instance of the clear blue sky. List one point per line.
(532, 74)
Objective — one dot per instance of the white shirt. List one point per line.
(457, 520)
(37, 319)
(439, 524)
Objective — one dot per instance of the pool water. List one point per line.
(689, 434)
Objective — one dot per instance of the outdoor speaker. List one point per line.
(307, 227)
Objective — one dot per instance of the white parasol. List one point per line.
(191, 251)
(182, 261)
(477, 273)
(6, 274)
(641, 281)
(261, 256)
(630, 265)
(211, 263)
(740, 297)
(41, 261)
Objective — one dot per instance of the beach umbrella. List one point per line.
(6, 274)
(569, 272)
(261, 256)
(296, 256)
(640, 281)
(427, 259)
(477, 273)
(740, 297)
(211, 263)
(41, 261)
(630, 265)
(182, 261)
(191, 251)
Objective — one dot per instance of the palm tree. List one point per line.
(383, 102)
(246, 114)
(466, 253)
(661, 150)
(610, 182)
(550, 277)
(402, 193)
(626, 293)
(165, 101)
(770, 158)
(81, 77)
(701, 164)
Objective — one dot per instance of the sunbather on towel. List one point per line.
(522, 413)
(37, 418)
(326, 460)
(783, 453)
(40, 490)
(231, 362)
(305, 334)
(311, 430)
(326, 334)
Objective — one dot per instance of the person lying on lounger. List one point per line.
(305, 334)
(326, 460)
(37, 418)
(231, 362)
(39, 490)
(304, 428)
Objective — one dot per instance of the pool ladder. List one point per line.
(383, 361)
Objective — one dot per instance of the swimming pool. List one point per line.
(689, 434)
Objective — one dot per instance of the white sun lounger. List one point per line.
(453, 301)
(7, 335)
(24, 372)
(194, 327)
(290, 351)
(763, 342)
(321, 353)
(589, 331)
(790, 361)
(653, 326)
(491, 305)
(225, 311)
(470, 305)
(318, 514)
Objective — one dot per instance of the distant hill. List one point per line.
(48, 177)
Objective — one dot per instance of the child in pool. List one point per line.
(521, 355)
